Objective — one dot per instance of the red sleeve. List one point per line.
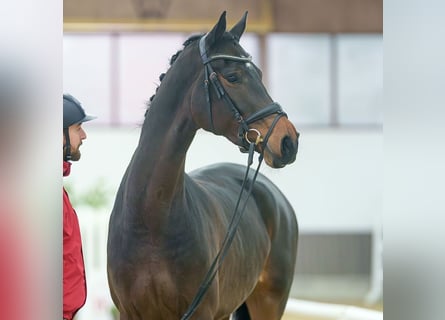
(74, 283)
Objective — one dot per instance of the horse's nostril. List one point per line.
(288, 149)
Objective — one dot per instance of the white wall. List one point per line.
(334, 185)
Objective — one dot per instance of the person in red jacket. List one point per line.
(74, 281)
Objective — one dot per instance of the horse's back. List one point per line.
(278, 217)
(269, 198)
(274, 207)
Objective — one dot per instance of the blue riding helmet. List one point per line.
(73, 112)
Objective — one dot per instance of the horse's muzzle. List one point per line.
(289, 148)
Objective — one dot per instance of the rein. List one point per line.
(242, 135)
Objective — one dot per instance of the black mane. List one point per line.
(173, 58)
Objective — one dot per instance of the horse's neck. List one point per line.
(156, 172)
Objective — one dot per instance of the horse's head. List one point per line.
(230, 99)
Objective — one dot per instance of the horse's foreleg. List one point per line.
(264, 305)
(268, 299)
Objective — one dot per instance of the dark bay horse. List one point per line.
(167, 226)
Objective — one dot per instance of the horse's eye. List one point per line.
(232, 77)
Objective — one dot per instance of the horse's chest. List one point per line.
(154, 292)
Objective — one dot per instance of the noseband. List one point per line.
(243, 129)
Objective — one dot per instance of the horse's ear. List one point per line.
(238, 29)
(217, 31)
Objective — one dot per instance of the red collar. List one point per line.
(66, 168)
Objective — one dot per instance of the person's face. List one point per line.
(77, 135)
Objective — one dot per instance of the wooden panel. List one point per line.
(163, 15)
(332, 16)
